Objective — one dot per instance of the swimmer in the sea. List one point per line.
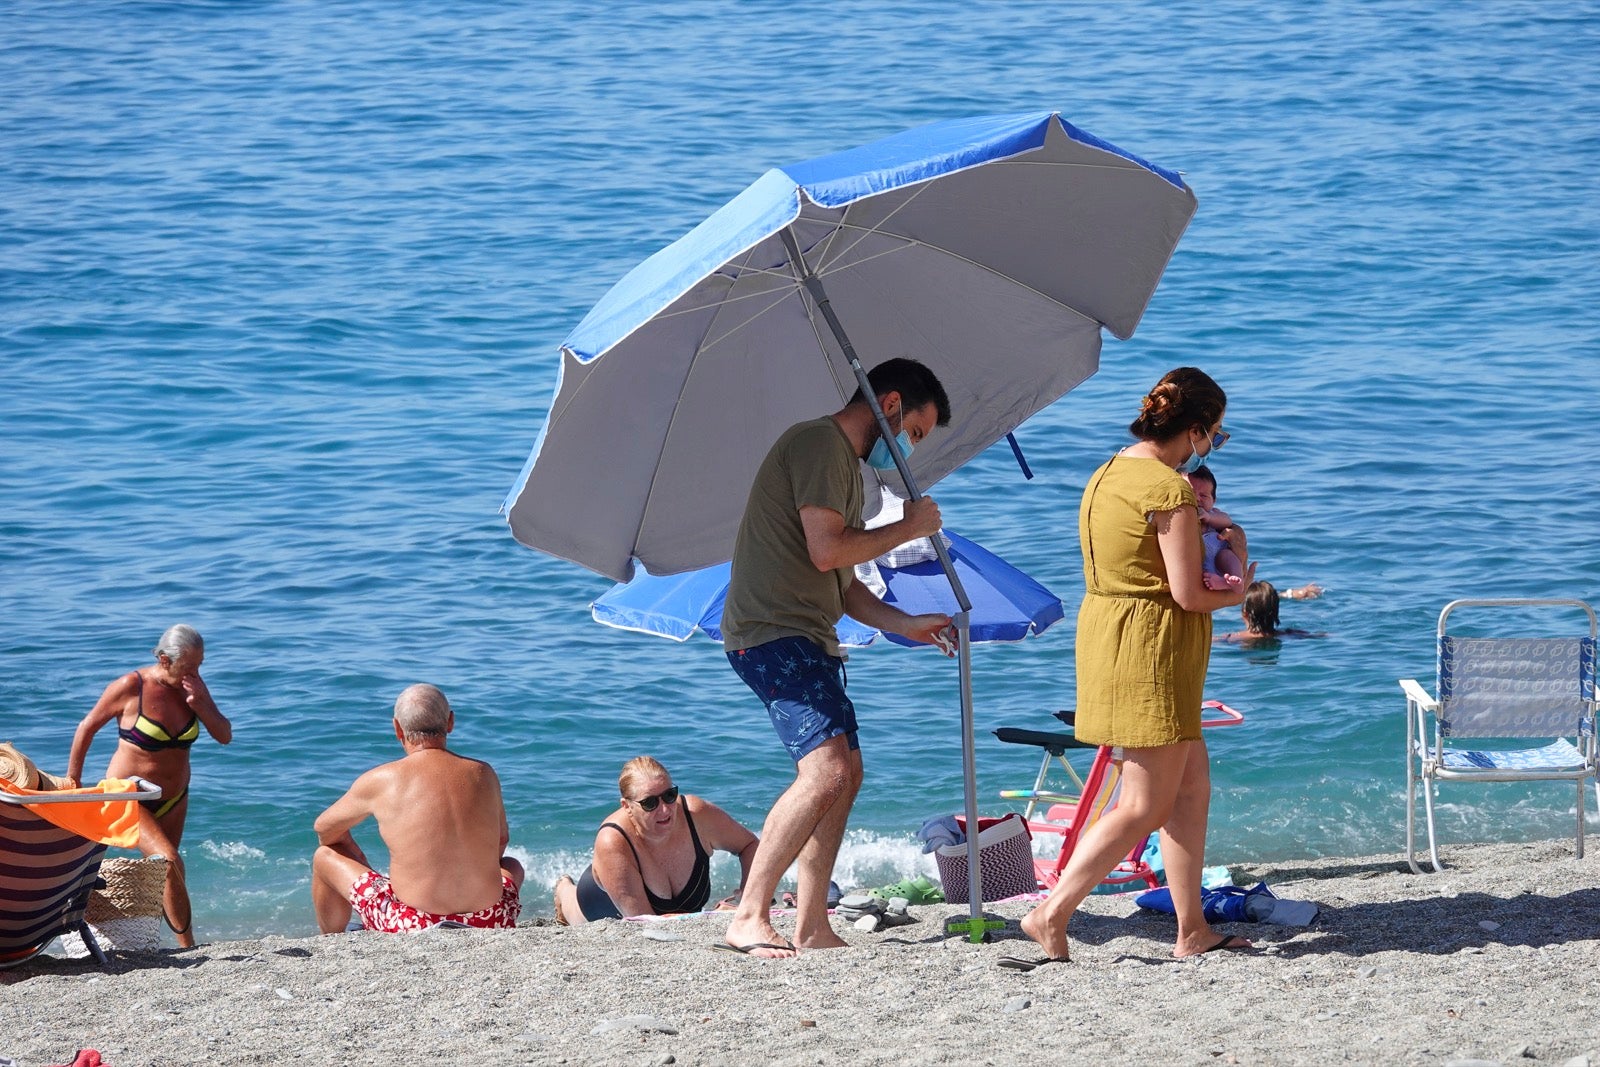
(1260, 611)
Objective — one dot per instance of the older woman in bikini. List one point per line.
(159, 710)
(652, 856)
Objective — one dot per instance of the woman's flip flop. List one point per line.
(748, 950)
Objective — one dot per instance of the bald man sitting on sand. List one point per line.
(444, 822)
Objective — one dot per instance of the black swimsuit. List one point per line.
(596, 903)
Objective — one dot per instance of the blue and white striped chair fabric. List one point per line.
(1563, 755)
(46, 876)
(1514, 689)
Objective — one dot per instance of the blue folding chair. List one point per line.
(1537, 694)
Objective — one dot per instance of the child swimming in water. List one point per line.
(1260, 611)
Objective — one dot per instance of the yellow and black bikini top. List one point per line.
(152, 736)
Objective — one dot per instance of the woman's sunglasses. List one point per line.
(666, 796)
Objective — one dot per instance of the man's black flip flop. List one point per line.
(1017, 963)
(1230, 941)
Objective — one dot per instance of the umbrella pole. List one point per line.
(819, 297)
(976, 926)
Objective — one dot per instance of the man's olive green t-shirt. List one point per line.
(776, 591)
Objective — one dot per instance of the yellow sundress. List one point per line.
(1141, 658)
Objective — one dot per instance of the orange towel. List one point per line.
(111, 822)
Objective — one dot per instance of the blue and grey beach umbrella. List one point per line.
(993, 250)
(1007, 604)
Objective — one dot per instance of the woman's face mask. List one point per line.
(1196, 460)
(1193, 463)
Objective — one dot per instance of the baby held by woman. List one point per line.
(1220, 564)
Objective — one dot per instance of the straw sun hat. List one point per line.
(19, 770)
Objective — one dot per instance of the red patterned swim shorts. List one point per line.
(374, 900)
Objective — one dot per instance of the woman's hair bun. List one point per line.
(1183, 398)
(1159, 402)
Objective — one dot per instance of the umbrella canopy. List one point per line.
(1007, 605)
(990, 249)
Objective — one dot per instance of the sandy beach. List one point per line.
(1493, 961)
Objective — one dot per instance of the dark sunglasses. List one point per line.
(1219, 439)
(666, 796)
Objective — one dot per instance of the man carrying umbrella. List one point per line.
(793, 578)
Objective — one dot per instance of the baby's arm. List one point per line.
(1215, 520)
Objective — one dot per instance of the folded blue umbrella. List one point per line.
(1235, 904)
(1007, 604)
(1223, 904)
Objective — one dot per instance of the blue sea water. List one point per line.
(281, 286)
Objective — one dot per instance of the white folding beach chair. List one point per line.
(1536, 693)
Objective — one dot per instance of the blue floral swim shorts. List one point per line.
(803, 689)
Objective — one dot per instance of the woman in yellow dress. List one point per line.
(1144, 642)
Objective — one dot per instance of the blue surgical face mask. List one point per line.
(1196, 460)
(880, 458)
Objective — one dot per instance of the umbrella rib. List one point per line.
(865, 231)
(862, 232)
(788, 287)
(823, 270)
(688, 371)
(908, 242)
(926, 184)
(736, 327)
(700, 348)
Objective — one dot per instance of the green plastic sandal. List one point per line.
(916, 890)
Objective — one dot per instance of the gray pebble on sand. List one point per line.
(633, 1022)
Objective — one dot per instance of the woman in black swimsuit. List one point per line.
(653, 855)
(159, 711)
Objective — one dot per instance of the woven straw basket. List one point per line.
(127, 913)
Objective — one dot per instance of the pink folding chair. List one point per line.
(1070, 814)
